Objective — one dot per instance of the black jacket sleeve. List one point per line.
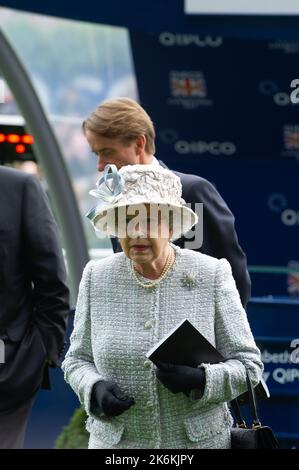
(219, 234)
(46, 269)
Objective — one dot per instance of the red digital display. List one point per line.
(13, 138)
(27, 139)
(20, 148)
(15, 144)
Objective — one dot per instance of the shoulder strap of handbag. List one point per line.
(252, 402)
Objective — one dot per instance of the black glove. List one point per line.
(108, 398)
(181, 378)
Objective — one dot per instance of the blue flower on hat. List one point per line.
(109, 185)
(109, 189)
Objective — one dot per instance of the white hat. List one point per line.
(134, 185)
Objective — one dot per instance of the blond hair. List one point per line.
(123, 119)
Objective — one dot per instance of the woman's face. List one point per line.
(146, 241)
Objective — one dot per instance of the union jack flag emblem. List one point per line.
(188, 84)
(291, 137)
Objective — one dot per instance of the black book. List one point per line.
(184, 345)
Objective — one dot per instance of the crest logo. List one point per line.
(187, 84)
(291, 137)
(188, 88)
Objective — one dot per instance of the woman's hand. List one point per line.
(108, 398)
(181, 378)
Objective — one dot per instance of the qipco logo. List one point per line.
(280, 98)
(278, 203)
(170, 39)
(199, 147)
(290, 217)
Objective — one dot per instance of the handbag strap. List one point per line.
(237, 412)
(252, 402)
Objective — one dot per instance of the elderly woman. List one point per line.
(130, 300)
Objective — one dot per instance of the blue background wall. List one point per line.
(222, 110)
(218, 90)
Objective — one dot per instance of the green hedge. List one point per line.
(74, 435)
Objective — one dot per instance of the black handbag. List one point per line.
(255, 437)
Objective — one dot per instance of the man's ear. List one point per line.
(140, 144)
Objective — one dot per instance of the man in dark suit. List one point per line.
(34, 300)
(120, 132)
(219, 234)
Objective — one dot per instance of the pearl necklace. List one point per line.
(151, 285)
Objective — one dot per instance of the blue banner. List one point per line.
(224, 109)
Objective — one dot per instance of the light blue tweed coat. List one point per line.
(117, 321)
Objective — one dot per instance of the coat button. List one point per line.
(148, 325)
(147, 364)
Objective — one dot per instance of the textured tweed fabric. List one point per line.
(117, 321)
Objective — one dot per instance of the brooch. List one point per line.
(189, 280)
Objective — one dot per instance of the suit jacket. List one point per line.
(33, 292)
(220, 239)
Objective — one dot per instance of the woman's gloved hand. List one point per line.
(181, 378)
(108, 398)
